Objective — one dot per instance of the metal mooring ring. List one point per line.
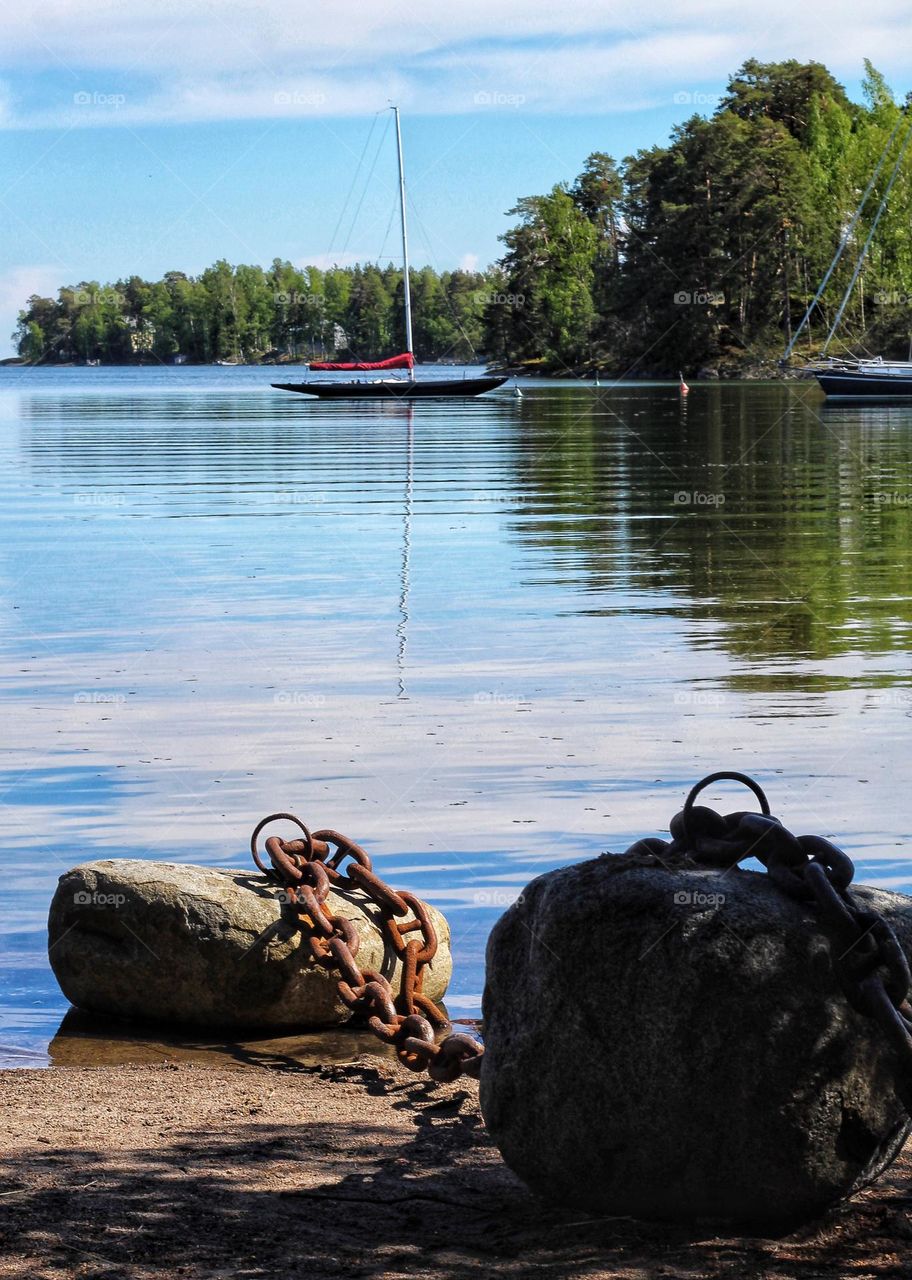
(723, 775)
(278, 817)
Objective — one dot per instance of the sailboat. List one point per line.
(847, 377)
(398, 388)
(873, 379)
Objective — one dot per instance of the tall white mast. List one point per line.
(406, 292)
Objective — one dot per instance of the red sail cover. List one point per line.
(405, 361)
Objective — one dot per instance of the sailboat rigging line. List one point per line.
(408, 388)
(367, 184)
(386, 235)
(433, 261)
(844, 239)
(345, 203)
(867, 243)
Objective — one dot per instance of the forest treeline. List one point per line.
(703, 252)
(248, 313)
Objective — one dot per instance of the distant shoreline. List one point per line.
(752, 373)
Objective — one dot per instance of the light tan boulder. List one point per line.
(207, 947)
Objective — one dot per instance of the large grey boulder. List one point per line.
(675, 1044)
(206, 947)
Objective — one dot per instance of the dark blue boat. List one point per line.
(866, 379)
(393, 388)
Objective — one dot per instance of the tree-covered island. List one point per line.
(700, 254)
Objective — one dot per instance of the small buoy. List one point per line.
(597, 383)
(683, 388)
(517, 393)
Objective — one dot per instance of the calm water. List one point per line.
(484, 639)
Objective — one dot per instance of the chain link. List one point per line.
(869, 961)
(868, 958)
(306, 870)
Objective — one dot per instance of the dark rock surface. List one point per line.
(675, 1044)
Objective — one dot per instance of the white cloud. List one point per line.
(176, 60)
(241, 34)
(326, 260)
(627, 75)
(468, 262)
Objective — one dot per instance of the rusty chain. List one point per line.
(306, 870)
(869, 961)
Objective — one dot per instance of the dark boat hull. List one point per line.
(866, 386)
(393, 390)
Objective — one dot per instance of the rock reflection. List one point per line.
(86, 1040)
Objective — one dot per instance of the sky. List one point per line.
(141, 136)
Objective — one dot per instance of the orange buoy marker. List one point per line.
(683, 388)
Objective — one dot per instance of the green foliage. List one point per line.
(549, 276)
(247, 313)
(707, 250)
(785, 92)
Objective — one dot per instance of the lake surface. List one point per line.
(483, 639)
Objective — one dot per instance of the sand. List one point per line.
(350, 1169)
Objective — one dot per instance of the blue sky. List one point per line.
(145, 135)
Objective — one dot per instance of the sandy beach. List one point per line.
(354, 1169)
